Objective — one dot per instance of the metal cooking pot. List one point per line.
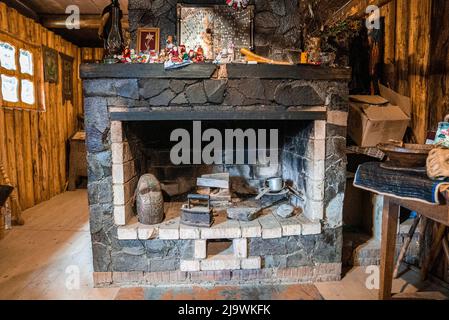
(275, 184)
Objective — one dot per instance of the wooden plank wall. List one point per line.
(416, 63)
(416, 58)
(439, 69)
(33, 144)
(90, 55)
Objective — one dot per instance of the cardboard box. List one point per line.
(374, 119)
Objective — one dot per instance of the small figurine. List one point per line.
(183, 53)
(175, 55)
(192, 55)
(127, 53)
(231, 52)
(199, 55)
(169, 43)
(163, 56)
(238, 4)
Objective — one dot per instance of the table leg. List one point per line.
(390, 218)
(406, 245)
(435, 249)
(72, 169)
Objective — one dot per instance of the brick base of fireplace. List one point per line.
(324, 272)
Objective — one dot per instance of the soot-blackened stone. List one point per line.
(161, 265)
(297, 95)
(100, 192)
(215, 90)
(180, 99)
(100, 165)
(177, 86)
(195, 94)
(102, 258)
(124, 262)
(153, 87)
(163, 99)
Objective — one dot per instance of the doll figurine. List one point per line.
(127, 53)
(199, 54)
(192, 55)
(169, 43)
(183, 53)
(175, 55)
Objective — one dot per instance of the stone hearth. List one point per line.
(310, 106)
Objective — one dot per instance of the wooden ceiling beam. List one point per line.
(354, 9)
(22, 8)
(87, 21)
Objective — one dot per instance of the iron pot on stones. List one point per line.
(149, 200)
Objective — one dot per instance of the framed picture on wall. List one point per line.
(67, 77)
(51, 65)
(148, 39)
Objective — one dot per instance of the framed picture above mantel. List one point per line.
(148, 39)
(216, 28)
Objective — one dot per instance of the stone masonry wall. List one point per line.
(277, 22)
(223, 93)
(105, 95)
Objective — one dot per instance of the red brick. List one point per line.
(224, 275)
(102, 279)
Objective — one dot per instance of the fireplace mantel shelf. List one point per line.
(190, 114)
(206, 71)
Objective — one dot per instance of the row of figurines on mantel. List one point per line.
(177, 56)
(213, 196)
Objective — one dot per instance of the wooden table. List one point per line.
(78, 159)
(437, 213)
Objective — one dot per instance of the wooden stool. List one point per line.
(5, 192)
(78, 159)
(16, 209)
(436, 213)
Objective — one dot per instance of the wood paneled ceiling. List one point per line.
(59, 6)
(54, 10)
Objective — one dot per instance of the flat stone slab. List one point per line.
(189, 232)
(220, 262)
(251, 229)
(169, 230)
(243, 113)
(147, 70)
(294, 72)
(190, 265)
(290, 226)
(251, 263)
(309, 227)
(268, 226)
(243, 214)
(228, 229)
(129, 232)
(146, 232)
(271, 229)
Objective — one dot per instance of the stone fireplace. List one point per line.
(131, 110)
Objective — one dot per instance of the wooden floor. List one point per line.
(38, 261)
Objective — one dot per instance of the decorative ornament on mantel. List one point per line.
(238, 4)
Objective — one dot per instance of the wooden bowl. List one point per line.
(408, 156)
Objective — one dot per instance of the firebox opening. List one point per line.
(270, 149)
